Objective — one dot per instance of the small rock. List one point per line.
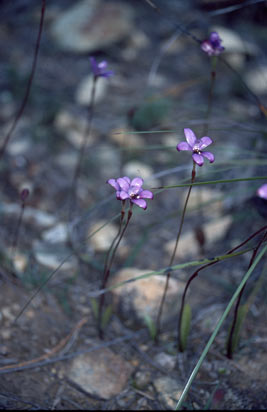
(169, 391)
(109, 160)
(92, 25)
(50, 256)
(143, 296)
(20, 262)
(6, 312)
(101, 373)
(84, 90)
(30, 215)
(188, 246)
(134, 168)
(102, 239)
(256, 79)
(142, 379)
(122, 137)
(166, 361)
(73, 127)
(208, 318)
(57, 234)
(212, 197)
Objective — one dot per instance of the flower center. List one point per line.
(196, 150)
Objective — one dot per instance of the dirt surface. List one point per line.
(38, 350)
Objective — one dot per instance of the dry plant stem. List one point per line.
(230, 339)
(173, 255)
(116, 237)
(195, 274)
(77, 171)
(107, 273)
(16, 235)
(29, 85)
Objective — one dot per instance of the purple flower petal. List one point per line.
(262, 191)
(128, 180)
(102, 65)
(209, 156)
(113, 183)
(207, 47)
(123, 195)
(124, 185)
(139, 202)
(146, 194)
(204, 142)
(214, 37)
(190, 137)
(198, 159)
(134, 190)
(137, 181)
(183, 146)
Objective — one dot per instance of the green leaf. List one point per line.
(242, 313)
(106, 316)
(95, 307)
(185, 326)
(150, 114)
(151, 326)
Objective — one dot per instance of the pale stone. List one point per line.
(188, 246)
(30, 215)
(212, 198)
(20, 262)
(73, 127)
(256, 79)
(84, 90)
(169, 390)
(102, 239)
(92, 25)
(101, 373)
(166, 361)
(135, 168)
(56, 234)
(142, 297)
(122, 137)
(52, 257)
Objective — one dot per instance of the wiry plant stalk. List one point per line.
(107, 272)
(29, 84)
(23, 196)
(158, 320)
(77, 170)
(232, 330)
(195, 274)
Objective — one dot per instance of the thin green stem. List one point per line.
(158, 320)
(213, 182)
(217, 328)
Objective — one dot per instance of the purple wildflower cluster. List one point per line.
(196, 147)
(99, 69)
(212, 46)
(132, 190)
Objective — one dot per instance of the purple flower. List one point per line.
(132, 190)
(262, 191)
(212, 46)
(196, 146)
(99, 69)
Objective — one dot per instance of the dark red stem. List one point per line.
(29, 84)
